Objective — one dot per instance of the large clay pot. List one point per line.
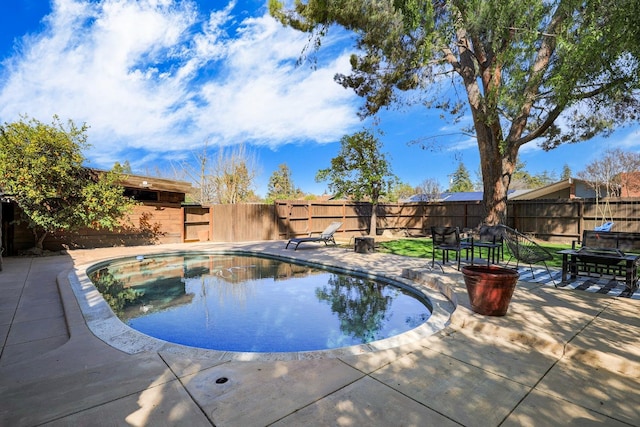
(490, 288)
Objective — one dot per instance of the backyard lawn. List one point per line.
(421, 248)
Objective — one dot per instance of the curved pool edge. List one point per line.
(106, 326)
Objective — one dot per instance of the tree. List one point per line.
(226, 179)
(520, 178)
(198, 171)
(566, 172)
(612, 172)
(630, 166)
(461, 180)
(41, 169)
(281, 185)
(546, 177)
(523, 180)
(430, 189)
(477, 183)
(233, 175)
(531, 70)
(360, 170)
(125, 168)
(399, 191)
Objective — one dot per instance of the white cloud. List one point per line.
(265, 98)
(631, 141)
(151, 75)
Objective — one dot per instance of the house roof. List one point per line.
(462, 196)
(540, 193)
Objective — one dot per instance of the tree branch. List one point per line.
(538, 69)
(555, 113)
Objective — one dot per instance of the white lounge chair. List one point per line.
(326, 236)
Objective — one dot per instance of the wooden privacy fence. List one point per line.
(553, 220)
(230, 223)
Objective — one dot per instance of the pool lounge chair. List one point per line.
(326, 236)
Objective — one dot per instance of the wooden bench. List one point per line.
(601, 253)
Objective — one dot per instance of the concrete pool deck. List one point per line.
(559, 357)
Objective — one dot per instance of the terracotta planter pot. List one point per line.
(490, 288)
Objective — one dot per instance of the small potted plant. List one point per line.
(490, 288)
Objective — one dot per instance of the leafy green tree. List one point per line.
(520, 178)
(281, 185)
(523, 180)
(360, 170)
(360, 304)
(527, 70)
(566, 172)
(114, 291)
(400, 190)
(546, 177)
(41, 169)
(461, 180)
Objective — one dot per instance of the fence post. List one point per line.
(210, 217)
(466, 215)
(580, 217)
(183, 220)
(344, 216)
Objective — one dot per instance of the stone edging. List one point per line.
(105, 325)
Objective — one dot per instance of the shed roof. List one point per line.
(158, 184)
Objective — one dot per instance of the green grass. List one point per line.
(421, 248)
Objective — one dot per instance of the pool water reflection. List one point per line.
(254, 304)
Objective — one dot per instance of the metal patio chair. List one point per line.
(525, 250)
(447, 239)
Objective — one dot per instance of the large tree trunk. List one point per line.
(496, 159)
(374, 220)
(39, 244)
(497, 156)
(497, 162)
(497, 168)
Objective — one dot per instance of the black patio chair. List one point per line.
(447, 239)
(525, 250)
(489, 237)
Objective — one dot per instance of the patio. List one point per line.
(559, 357)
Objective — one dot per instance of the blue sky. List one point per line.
(155, 79)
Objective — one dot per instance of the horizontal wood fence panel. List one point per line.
(553, 220)
(560, 220)
(146, 225)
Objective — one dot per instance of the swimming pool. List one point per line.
(245, 303)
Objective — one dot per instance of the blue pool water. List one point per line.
(254, 304)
